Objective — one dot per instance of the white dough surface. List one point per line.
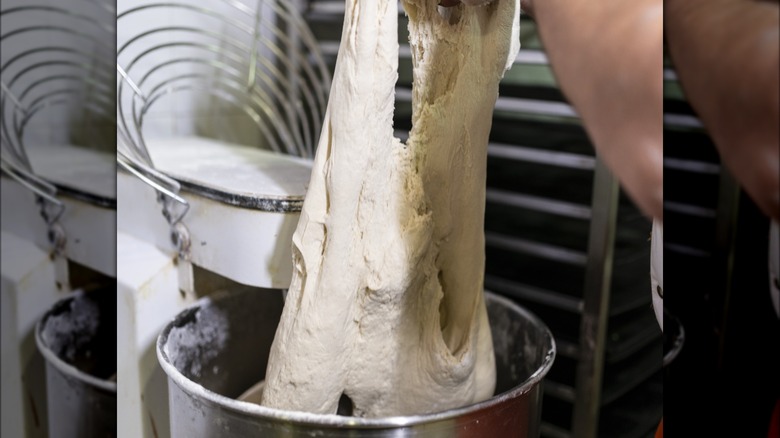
(386, 303)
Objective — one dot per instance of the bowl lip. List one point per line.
(318, 420)
(60, 365)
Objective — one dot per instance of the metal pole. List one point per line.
(593, 325)
(725, 240)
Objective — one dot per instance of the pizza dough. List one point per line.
(386, 303)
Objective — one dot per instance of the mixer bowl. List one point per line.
(77, 338)
(217, 349)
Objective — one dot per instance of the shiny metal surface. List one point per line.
(80, 355)
(71, 78)
(217, 349)
(268, 67)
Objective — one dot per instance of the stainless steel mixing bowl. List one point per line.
(217, 349)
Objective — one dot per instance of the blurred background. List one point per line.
(58, 217)
(718, 302)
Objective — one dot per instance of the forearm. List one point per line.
(726, 54)
(618, 42)
(608, 60)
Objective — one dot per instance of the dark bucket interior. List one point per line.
(81, 331)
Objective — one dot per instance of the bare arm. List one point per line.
(608, 60)
(727, 57)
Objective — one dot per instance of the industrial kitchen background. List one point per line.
(562, 239)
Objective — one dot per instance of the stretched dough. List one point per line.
(386, 302)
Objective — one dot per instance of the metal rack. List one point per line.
(562, 240)
(258, 57)
(234, 86)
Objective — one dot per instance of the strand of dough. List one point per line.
(386, 303)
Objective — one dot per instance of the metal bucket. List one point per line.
(217, 349)
(77, 338)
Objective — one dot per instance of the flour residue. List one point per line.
(69, 331)
(192, 347)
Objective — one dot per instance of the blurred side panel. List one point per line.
(58, 144)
